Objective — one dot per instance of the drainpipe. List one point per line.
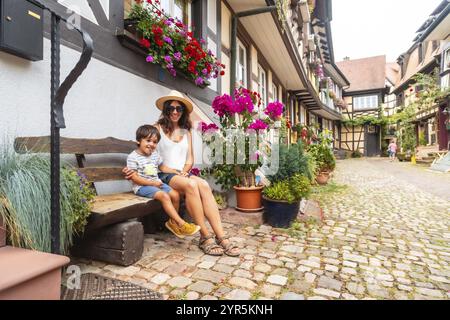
(234, 23)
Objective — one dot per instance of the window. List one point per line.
(274, 92)
(446, 60)
(241, 68)
(365, 102)
(420, 52)
(175, 8)
(262, 85)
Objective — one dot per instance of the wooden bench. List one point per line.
(109, 235)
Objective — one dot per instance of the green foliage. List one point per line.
(366, 120)
(300, 186)
(422, 140)
(223, 174)
(406, 117)
(356, 154)
(325, 193)
(323, 155)
(279, 191)
(293, 160)
(221, 200)
(431, 92)
(77, 199)
(25, 200)
(291, 190)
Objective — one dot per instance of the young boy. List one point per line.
(145, 161)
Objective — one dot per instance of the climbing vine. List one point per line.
(363, 120)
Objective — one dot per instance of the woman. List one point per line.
(175, 148)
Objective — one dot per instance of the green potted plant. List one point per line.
(282, 200)
(325, 159)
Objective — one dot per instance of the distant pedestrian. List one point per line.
(392, 150)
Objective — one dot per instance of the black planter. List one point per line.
(280, 214)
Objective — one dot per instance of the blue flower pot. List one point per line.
(280, 214)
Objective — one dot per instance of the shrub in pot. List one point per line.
(282, 200)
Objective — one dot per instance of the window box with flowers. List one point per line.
(167, 41)
(241, 115)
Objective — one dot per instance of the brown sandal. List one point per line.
(208, 248)
(228, 247)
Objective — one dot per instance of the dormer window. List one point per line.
(420, 52)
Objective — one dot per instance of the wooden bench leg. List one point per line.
(121, 244)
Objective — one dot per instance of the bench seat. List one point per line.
(119, 207)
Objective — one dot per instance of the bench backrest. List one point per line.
(80, 148)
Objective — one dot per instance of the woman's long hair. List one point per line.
(165, 122)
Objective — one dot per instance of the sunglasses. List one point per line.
(178, 108)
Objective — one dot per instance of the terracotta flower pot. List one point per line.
(322, 178)
(248, 199)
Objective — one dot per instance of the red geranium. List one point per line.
(144, 42)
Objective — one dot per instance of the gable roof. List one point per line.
(364, 74)
(392, 72)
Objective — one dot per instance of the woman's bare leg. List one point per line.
(194, 205)
(211, 210)
(193, 200)
(210, 207)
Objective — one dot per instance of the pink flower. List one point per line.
(150, 58)
(195, 171)
(177, 56)
(274, 110)
(243, 102)
(199, 81)
(204, 127)
(223, 105)
(255, 156)
(258, 125)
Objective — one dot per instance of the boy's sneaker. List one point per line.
(187, 229)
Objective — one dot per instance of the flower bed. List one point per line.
(169, 43)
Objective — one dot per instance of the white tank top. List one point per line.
(174, 154)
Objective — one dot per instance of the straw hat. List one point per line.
(174, 95)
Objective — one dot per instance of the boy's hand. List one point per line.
(157, 183)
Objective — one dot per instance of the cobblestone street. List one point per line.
(382, 238)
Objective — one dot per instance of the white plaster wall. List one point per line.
(82, 8)
(226, 26)
(105, 101)
(212, 13)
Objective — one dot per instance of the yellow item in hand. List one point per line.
(150, 170)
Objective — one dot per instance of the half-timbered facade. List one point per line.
(364, 97)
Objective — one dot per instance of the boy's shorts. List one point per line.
(150, 191)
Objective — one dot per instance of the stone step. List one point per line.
(30, 275)
(424, 162)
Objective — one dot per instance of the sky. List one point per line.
(365, 28)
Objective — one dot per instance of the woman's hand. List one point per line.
(128, 173)
(183, 174)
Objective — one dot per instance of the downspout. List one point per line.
(234, 23)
